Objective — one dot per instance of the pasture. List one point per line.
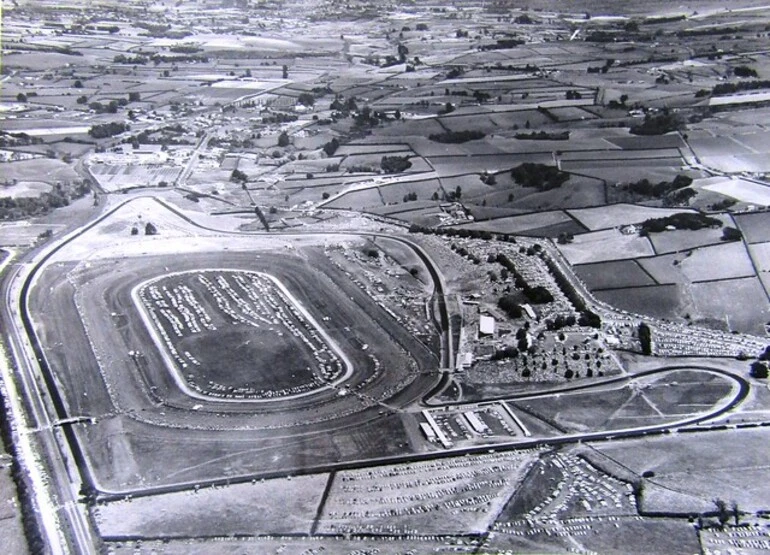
(718, 455)
(616, 215)
(605, 245)
(717, 262)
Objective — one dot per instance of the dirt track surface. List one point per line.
(148, 431)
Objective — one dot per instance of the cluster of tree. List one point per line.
(505, 353)
(105, 130)
(488, 178)
(708, 30)
(238, 176)
(462, 251)
(464, 232)
(409, 197)
(523, 19)
(502, 44)
(344, 108)
(261, 216)
(538, 294)
(14, 208)
(602, 36)
(110, 108)
(731, 234)
(164, 59)
(171, 135)
(508, 304)
(573, 95)
(133, 60)
(730, 88)
(453, 196)
(535, 295)
(759, 370)
(27, 509)
(456, 137)
(306, 99)
(745, 71)
(154, 29)
(185, 49)
(331, 146)
(560, 322)
(543, 136)
(589, 319)
(682, 220)
(722, 204)
(657, 124)
(619, 104)
(395, 164)
(645, 338)
(540, 176)
(18, 139)
(279, 117)
(659, 190)
(283, 139)
(369, 118)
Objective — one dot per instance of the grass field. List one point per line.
(618, 214)
(280, 506)
(660, 301)
(755, 227)
(116, 177)
(520, 224)
(602, 246)
(680, 240)
(742, 190)
(726, 464)
(39, 170)
(642, 402)
(610, 275)
(740, 303)
(721, 261)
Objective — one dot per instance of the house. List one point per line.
(486, 326)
